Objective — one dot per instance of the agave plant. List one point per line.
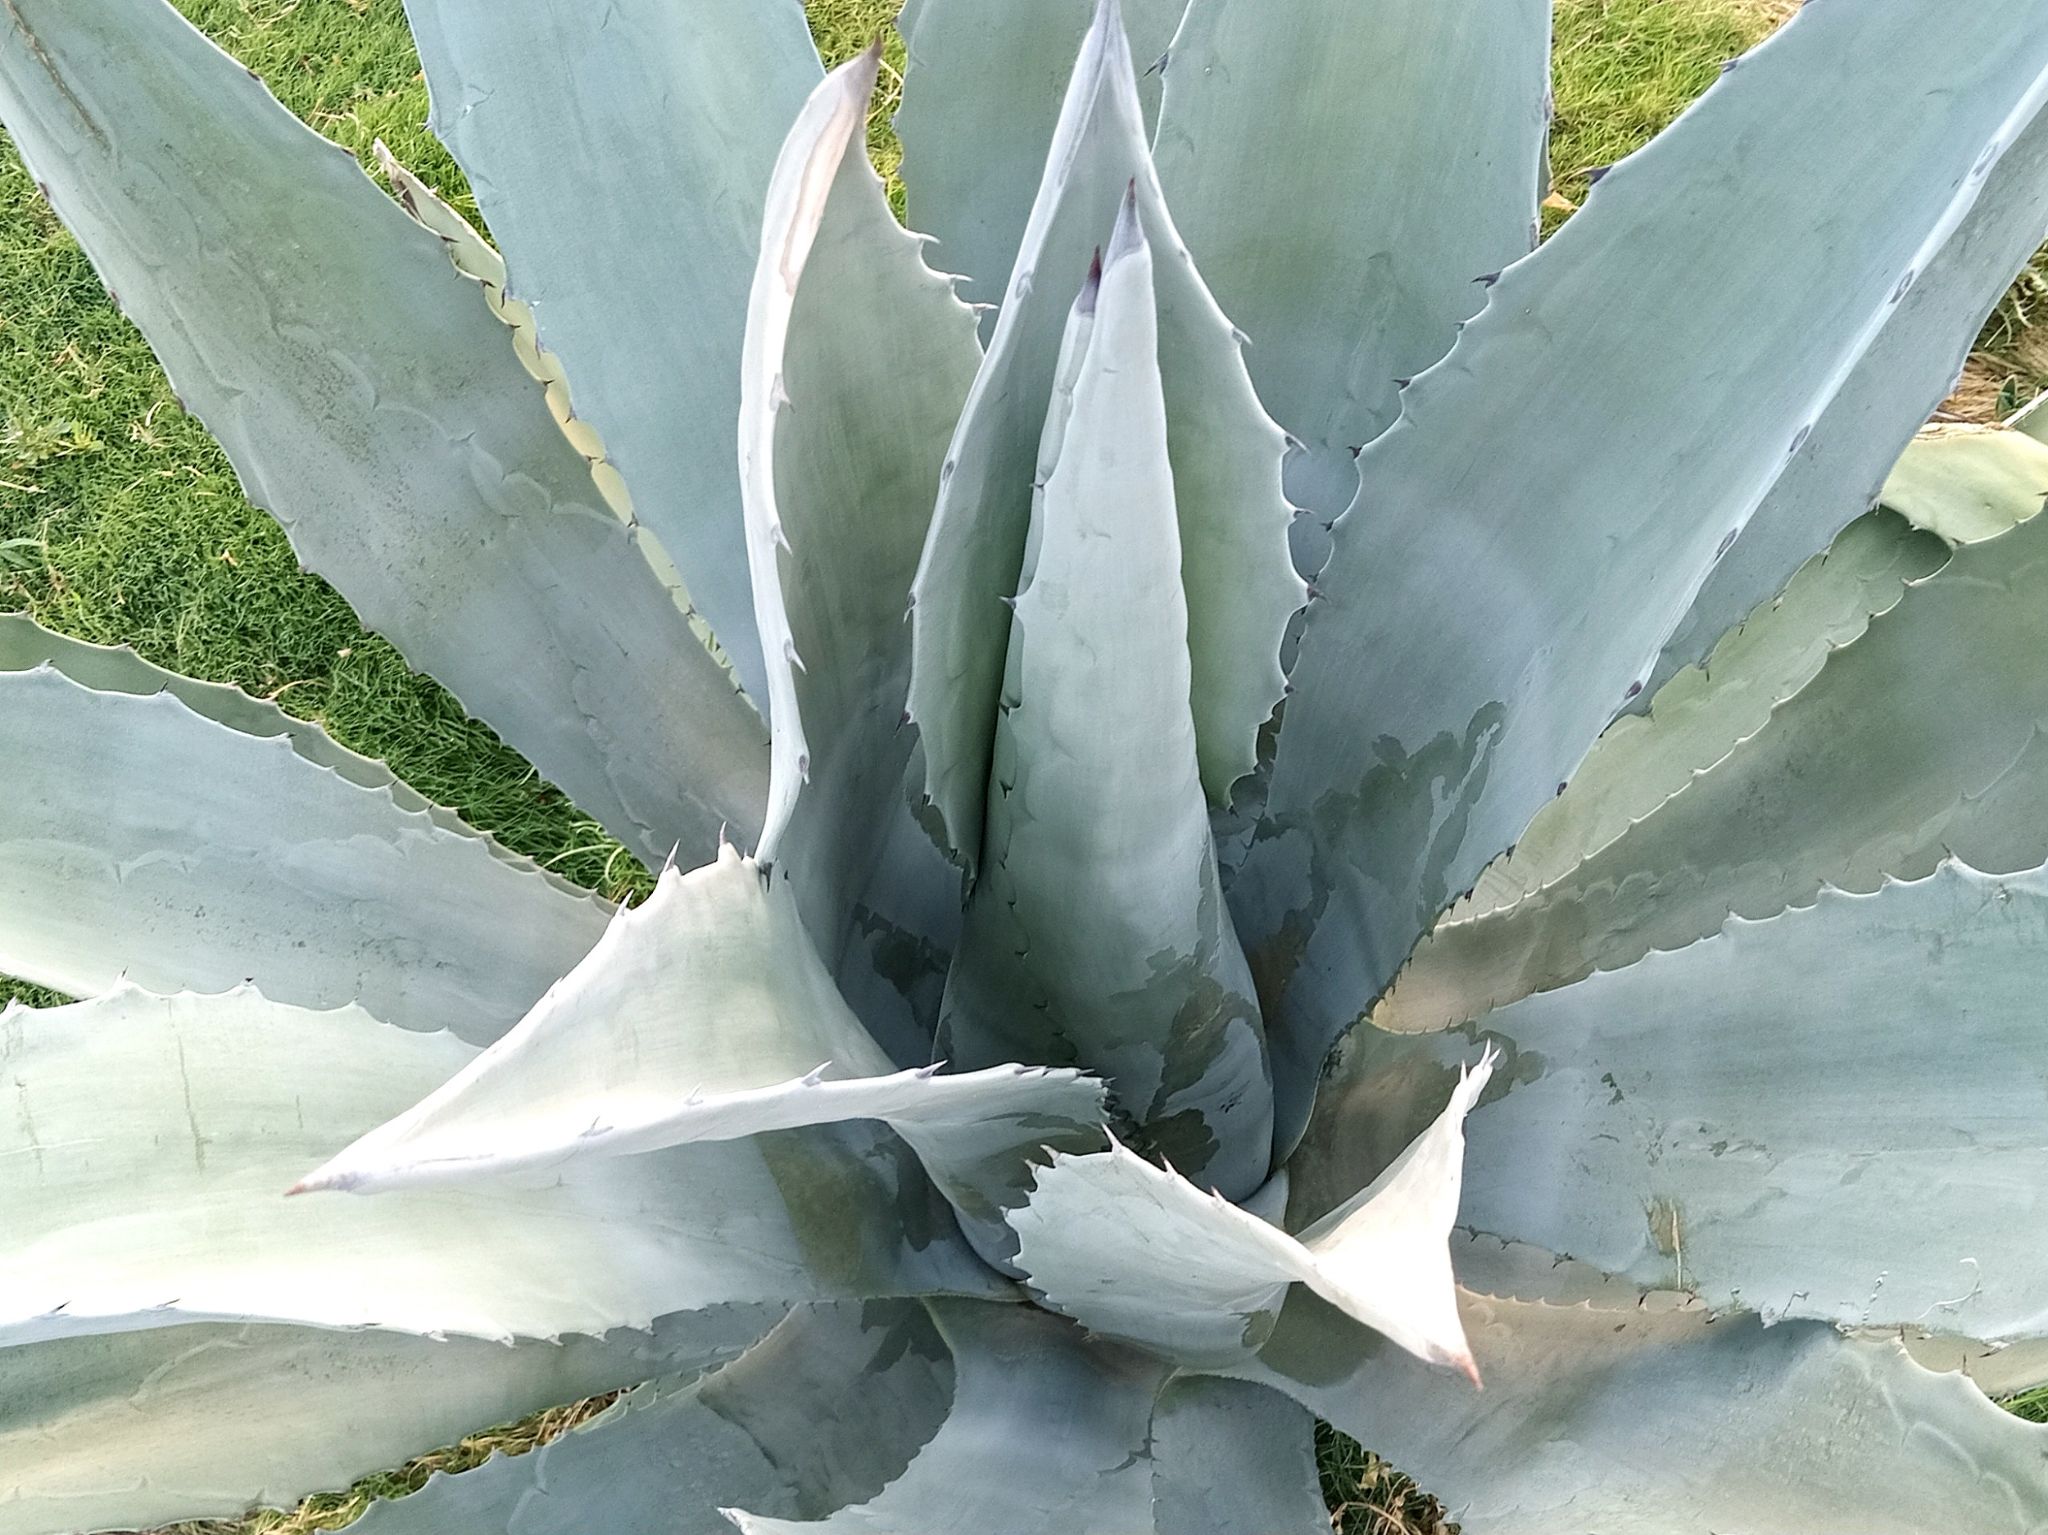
(1099, 1029)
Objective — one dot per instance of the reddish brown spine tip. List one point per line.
(1091, 286)
(1129, 234)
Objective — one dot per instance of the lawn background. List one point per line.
(121, 522)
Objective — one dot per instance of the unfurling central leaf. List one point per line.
(1096, 934)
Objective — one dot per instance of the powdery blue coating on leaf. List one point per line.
(825, 1411)
(1047, 1436)
(1907, 372)
(1228, 1455)
(1652, 1421)
(799, 189)
(1919, 741)
(981, 96)
(703, 1015)
(1537, 523)
(852, 414)
(150, 1140)
(209, 839)
(564, 117)
(477, 259)
(1226, 457)
(1701, 716)
(1346, 175)
(1138, 1252)
(369, 399)
(1096, 934)
(1829, 1114)
(135, 1429)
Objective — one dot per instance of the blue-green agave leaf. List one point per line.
(564, 118)
(1909, 369)
(799, 191)
(982, 87)
(1725, 1119)
(136, 1429)
(1536, 524)
(858, 361)
(1623, 1414)
(477, 259)
(1347, 177)
(1226, 456)
(825, 1411)
(1138, 1252)
(153, 855)
(1046, 1436)
(1229, 1455)
(368, 398)
(1918, 740)
(152, 1139)
(1096, 932)
(704, 1015)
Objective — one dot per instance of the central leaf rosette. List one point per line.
(1099, 586)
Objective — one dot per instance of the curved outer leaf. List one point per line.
(1047, 1436)
(1726, 1119)
(1346, 176)
(155, 855)
(798, 190)
(704, 1015)
(1651, 1421)
(151, 1138)
(855, 380)
(1097, 932)
(1695, 721)
(1226, 454)
(643, 297)
(137, 1429)
(367, 398)
(1920, 740)
(1909, 369)
(1130, 1249)
(981, 99)
(824, 1412)
(1477, 634)
(1228, 1455)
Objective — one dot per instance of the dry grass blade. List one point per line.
(1369, 1497)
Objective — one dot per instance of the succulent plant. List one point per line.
(1107, 1001)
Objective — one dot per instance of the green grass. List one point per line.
(120, 522)
(1622, 69)
(2031, 1405)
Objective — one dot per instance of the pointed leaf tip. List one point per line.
(1140, 1252)
(1091, 288)
(1129, 234)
